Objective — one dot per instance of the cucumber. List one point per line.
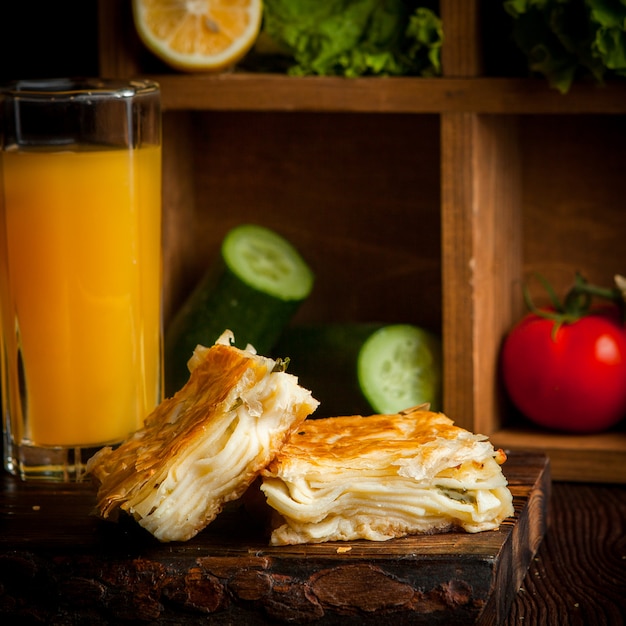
(324, 358)
(254, 289)
(364, 368)
(400, 367)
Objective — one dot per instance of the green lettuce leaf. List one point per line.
(609, 44)
(568, 39)
(355, 37)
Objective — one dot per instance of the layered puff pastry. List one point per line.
(204, 446)
(384, 476)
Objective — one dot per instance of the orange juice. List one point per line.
(81, 291)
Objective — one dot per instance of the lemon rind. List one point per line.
(199, 62)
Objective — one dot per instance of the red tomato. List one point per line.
(573, 380)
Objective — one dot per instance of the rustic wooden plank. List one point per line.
(461, 53)
(496, 260)
(481, 259)
(457, 237)
(584, 458)
(578, 575)
(526, 537)
(240, 91)
(58, 562)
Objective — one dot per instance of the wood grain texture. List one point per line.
(241, 91)
(457, 223)
(496, 256)
(481, 259)
(578, 576)
(573, 200)
(461, 54)
(358, 196)
(58, 563)
(595, 458)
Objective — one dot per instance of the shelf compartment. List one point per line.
(482, 190)
(464, 88)
(525, 194)
(359, 196)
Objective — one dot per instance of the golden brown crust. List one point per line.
(204, 446)
(121, 472)
(384, 476)
(347, 440)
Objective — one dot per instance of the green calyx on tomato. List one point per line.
(564, 366)
(578, 300)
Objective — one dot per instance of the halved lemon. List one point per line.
(198, 35)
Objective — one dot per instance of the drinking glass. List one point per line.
(80, 269)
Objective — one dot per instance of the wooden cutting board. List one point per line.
(59, 564)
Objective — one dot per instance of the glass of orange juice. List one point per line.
(80, 269)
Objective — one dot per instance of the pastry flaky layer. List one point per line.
(204, 446)
(384, 476)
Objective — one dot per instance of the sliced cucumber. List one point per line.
(324, 358)
(267, 262)
(361, 368)
(399, 367)
(254, 289)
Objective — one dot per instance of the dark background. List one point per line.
(45, 39)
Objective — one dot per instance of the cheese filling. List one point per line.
(216, 462)
(204, 446)
(385, 484)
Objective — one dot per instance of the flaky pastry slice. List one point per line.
(204, 446)
(384, 476)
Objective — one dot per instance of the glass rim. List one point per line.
(76, 88)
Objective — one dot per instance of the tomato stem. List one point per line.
(578, 300)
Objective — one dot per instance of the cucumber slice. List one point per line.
(364, 368)
(399, 367)
(324, 358)
(267, 262)
(258, 283)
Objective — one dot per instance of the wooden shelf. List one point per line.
(270, 92)
(439, 195)
(582, 458)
